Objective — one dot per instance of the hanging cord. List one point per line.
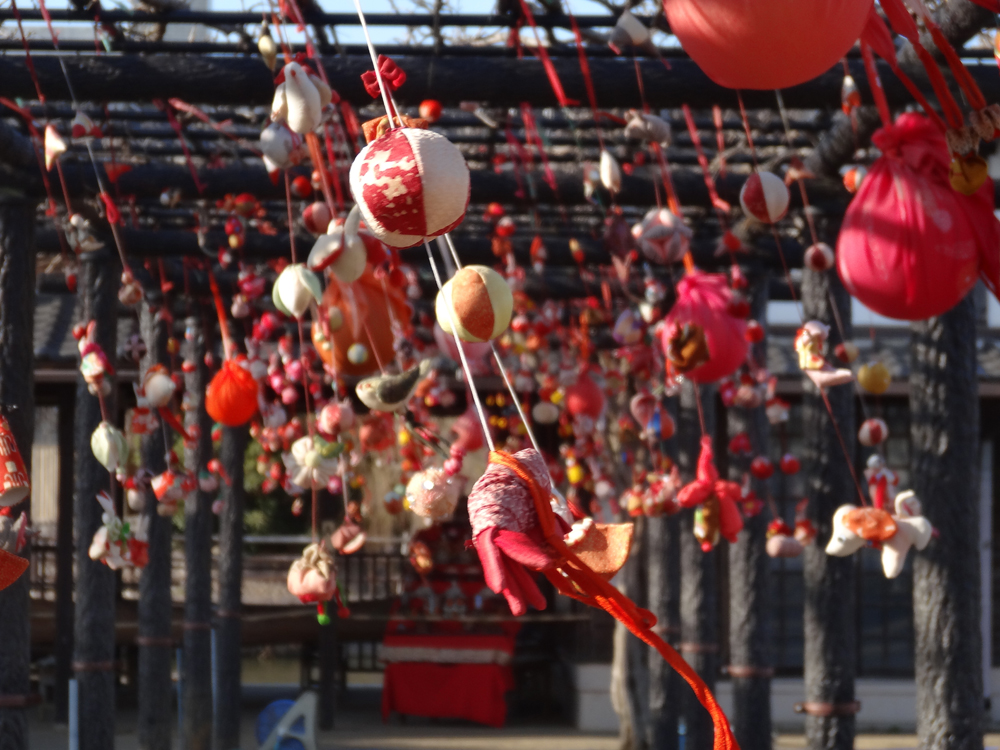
(788, 278)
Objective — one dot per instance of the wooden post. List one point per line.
(633, 691)
(228, 649)
(830, 647)
(94, 632)
(17, 403)
(197, 660)
(64, 556)
(155, 642)
(749, 571)
(663, 571)
(699, 579)
(944, 414)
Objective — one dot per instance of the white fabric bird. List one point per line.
(300, 99)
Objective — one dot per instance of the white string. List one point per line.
(371, 52)
(503, 370)
(461, 350)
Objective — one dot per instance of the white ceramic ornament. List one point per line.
(410, 185)
(295, 289)
(764, 197)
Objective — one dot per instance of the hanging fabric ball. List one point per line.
(316, 217)
(411, 185)
(819, 257)
(873, 432)
(109, 446)
(157, 386)
(910, 246)
(430, 110)
(701, 306)
(662, 237)
(433, 494)
(766, 44)
(295, 289)
(874, 377)
(481, 302)
(231, 397)
(764, 196)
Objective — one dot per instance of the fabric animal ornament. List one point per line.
(13, 537)
(299, 98)
(810, 345)
(280, 148)
(714, 499)
(910, 246)
(853, 527)
(118, 544)
(646, 127)
(312, 462)
(94, 363)
(702, 301)
(519, 525)
(313, 579)
(913, 530)
(391, 392)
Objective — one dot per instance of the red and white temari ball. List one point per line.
(483, 304)
(411, 185)
(873, 432)
(764, 197)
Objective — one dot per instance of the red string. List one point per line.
(543, 55)
(27, 53)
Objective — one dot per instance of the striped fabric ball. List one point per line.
(411, 185)
(764, 197)
(483, 304)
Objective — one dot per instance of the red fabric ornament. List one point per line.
(910, 246)
(766, 44)
(231, 397)
(703, 299)
(584, 397)
(707, 484)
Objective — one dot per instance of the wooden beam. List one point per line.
(497, 82)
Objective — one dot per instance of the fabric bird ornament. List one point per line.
(299, 98)
(519, 525)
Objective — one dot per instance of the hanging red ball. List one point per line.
(755, 332)
(302, 187)
(762, 467)
(430, 109)
(789, 464)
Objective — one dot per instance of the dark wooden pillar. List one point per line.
(749, 603)
(64, 557)
(830, 642)
(634, 733)
(94, 632)
(227, 625)
(944, 426)
(17, 403)
(699, 577)
(197, 656)
(155, 643)
(663, 581)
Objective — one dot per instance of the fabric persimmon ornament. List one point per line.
(481, 304)
(520, 525)
(910, 246)
(410, 185)
(231, 397)
(702, 302)
(366, 312)
(766, 44)
(764, 196)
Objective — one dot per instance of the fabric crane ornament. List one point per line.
(299, 98)
(766, 44)
(702, 305)
(313, 579)
(714, 499)
(411, 185)
(520, 525)
(481, 304)
(910, 246)
(810, 345)
(13, 537)
(662, 237)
